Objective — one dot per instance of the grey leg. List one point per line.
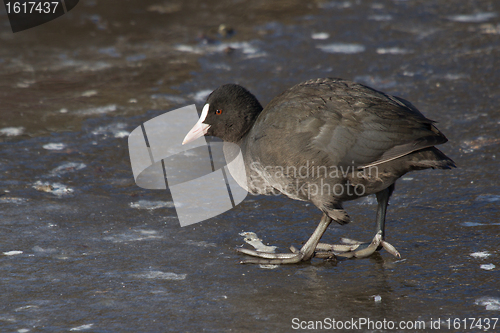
(383, 201)
(354, 249)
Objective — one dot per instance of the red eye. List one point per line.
(219, 111)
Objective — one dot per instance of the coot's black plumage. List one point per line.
(324, 141)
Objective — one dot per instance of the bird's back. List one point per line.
(340, 124)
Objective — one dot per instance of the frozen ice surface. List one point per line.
(320, 35)
(477, 224)
(393, 50)
(54, 146)
(451, 76)
(159, 275)
(66, 168)
(115, 129)
(488, 197)
(89, 93)
(200, 243)
(473, 18)
(136, 57)
(97, 110)
(82, 328)
(40, 250)
(202, 95)
(12, 253)
(122, 134)
(488, 28)
(376, 81)
(247, 48)
(147, 204)
(482, 254)
(12, 131)
(110, 51)
(90, 258)
(381, 17)
(487, 267)
(13, 200)
(172, 98)
(134, 236)
(57, 189)
(479, 143)
(342, 48)
(491, 303)
(334, 4)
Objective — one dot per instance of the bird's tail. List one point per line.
(431, 158)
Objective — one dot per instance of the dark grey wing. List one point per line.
(342, 123)
(373, 128)
(402, 149)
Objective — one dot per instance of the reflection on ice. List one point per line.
(11, 131)
(488, 197)
(382, 17)
(57, 189)
(13, 200)
(67, 167)
(341, 48)
(134, 236)
(54, 146)
(146, 204)
(473, 18)
(393, 50)
(320, 35)
(115, 129)
(483, 254)
(491, 303)
(159, 275)
(82, 327)
(249, 50)
(97, 110)
(487, 267)
(12, 253)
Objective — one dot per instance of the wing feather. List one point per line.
(344, 122)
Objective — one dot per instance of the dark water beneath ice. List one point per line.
(82, 248)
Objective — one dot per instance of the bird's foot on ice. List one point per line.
(266, 258)
(354, 249)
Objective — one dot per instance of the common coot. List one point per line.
(324, 141)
